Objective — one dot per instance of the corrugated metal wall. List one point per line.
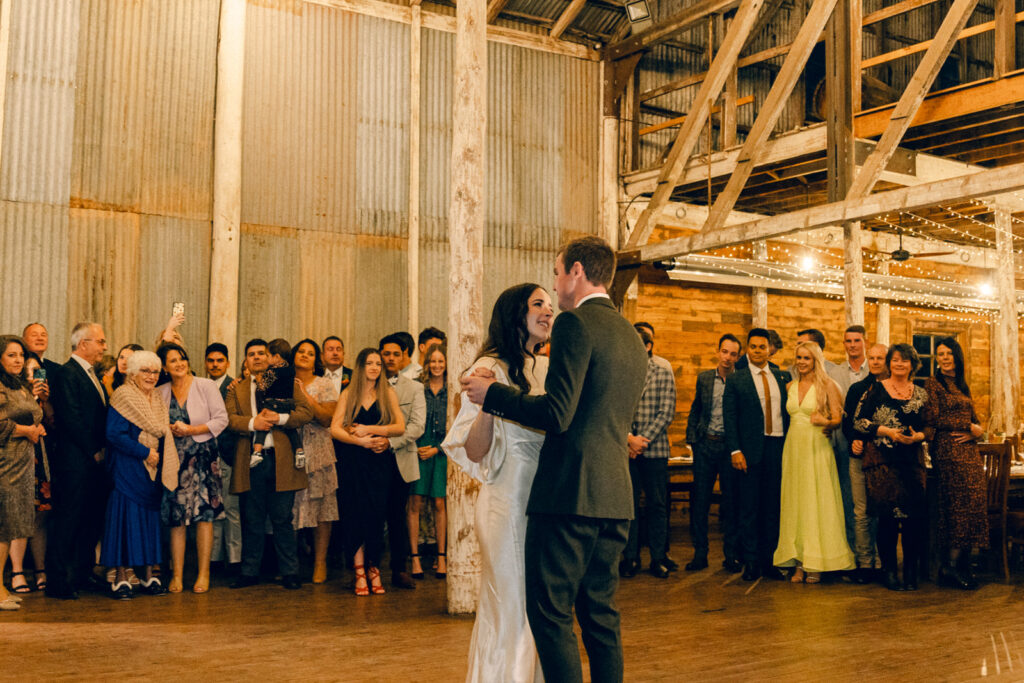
(106, 168)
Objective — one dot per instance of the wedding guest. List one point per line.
(268, 487)
(954, 429)
(663, 362)
(105, 368)
(367, 415)
(811, 523)
(404, 464)
(407, 344)
(774, 346)
(316, 506)
(227, 531)
(889, 421)
(79, 485)
(143, 462)
(37, 540)
(705, 433)
(865, 525)
(334, 363)
(37, 340)
(20, 429)
(433, 481)
(120, 372)
(198, 416)
(649, 452)
(427, 337)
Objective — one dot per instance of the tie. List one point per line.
(96, 383)
(767, 404)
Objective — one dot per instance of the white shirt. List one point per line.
(844, 375)
(595, 295)
(91, 371)
(336, 376)
(776, 395)
(220, 381)
(412, 370)
(281, 418)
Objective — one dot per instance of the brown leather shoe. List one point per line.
(402, 580)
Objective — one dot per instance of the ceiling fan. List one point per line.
(900, 254)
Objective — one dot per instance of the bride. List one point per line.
(502, 455)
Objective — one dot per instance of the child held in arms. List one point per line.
(275, 391)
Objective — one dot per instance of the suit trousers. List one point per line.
(865, 526)
(760, 490)
(76, 523)
(227, 532)
(261, 501)
(572, 561)
(651, 474)
(398, 524)
(711, 461)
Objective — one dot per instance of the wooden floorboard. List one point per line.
(706, 625)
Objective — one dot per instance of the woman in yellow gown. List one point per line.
(812, 530)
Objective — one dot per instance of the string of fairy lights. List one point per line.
(825, 264)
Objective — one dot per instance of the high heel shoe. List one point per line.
(419, 574)
(375, 585)
(813, 577)
(438, 573)
(798, 575)
(362, 589)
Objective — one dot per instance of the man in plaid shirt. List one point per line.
(648, 465)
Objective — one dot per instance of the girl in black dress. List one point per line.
(367, 414)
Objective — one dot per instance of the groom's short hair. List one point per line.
(594, 254)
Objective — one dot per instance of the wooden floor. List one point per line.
(703, 626)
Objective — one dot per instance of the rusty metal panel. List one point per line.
(103, 272)
(438, 63)
(144, 106)
(174, 265)
(39, 105)
(36, 279)
(268, 302)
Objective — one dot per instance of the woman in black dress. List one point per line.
(889, 420)
(367, 414)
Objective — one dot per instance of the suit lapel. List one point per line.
(243, 394)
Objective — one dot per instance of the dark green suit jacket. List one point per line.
(595, 378)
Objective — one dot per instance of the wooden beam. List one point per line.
(1005, 54)
(413, 242)
(755, 58)
(749, 99)
(663, 30)
(1005, 336)
(968, 32)
(494, 8)
(948, 104)
(983, 184)
(690, 130)
(770, 110)
(444, 22)
(894, 11)
(914, 94)
(567, 17)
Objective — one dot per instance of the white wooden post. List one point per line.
(1004, 416)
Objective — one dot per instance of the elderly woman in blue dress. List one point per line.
(143, 462)
(197, 416)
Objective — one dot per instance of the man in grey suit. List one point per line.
(227, 532)
(406, 469)
(581, 501)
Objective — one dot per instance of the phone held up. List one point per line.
(178, 308)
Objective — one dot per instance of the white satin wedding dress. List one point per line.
(502, 646)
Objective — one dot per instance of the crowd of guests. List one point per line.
(107, 461)
(821, 466)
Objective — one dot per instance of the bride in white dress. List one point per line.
(502, 455)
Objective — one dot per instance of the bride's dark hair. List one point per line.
(507, 333)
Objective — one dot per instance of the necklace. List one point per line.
(903, 392)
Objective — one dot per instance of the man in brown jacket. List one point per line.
(268, 488)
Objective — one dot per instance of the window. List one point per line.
(924, 344)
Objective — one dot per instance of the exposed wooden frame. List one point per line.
(749, 99)
(667, 28)
(566, 18)
(914, 94)
(983, 184)
(770, 110)
(1005, 53)
(444, 22)
(494, 8)
(691, 128)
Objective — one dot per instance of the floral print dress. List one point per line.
(198, 495)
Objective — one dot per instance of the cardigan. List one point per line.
(204, 405)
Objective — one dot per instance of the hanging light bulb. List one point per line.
(986, 289)
(807, 264)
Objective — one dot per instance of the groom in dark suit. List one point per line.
(581, 501)
(754, 412)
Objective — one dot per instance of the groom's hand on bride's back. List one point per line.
(477, 384)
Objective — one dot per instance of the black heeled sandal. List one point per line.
(26, 588)
(419, 574)
(444, 574)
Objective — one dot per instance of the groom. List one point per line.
(581, 501)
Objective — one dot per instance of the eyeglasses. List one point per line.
(146, 371)
(98, 341)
